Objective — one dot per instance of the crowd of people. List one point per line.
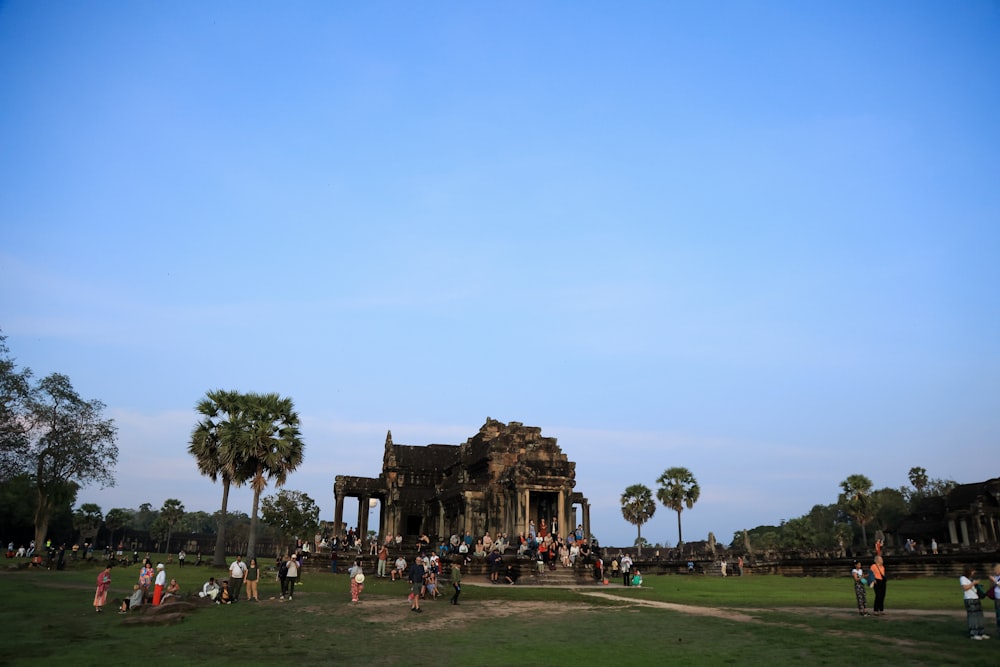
(543, 548)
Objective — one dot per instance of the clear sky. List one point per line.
(756, 239)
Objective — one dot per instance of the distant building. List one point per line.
(967, 516)
(498, 480)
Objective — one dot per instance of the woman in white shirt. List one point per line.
(973, 607)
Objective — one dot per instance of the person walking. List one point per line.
(973, 606)
(103, 584)
(456, 579)
(878, 571)
(357, 575)
(237, 572)
(416, 580)
(251, 579)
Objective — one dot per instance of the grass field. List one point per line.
(47, 618)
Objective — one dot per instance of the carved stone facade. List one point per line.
(498, 480)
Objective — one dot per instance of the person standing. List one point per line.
(859, 589)
(237, 571)
(973, 607)
(626, 570)
(159, 584)
(292, 575)
(103, 584)
(878, 571)
(252, 578)
(416, 580)
(180, 558)
(456, 579)
(383, 558)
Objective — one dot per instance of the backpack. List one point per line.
(283, 569)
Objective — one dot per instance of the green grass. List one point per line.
(47, 617)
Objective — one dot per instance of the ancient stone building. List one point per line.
(498, 480)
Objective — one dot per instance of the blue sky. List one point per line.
(758, 240)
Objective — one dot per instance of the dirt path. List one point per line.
(746, 614)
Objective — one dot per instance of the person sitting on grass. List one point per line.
(173, 590)
(431, 586)
(225, 597)
(636, 578)
(210, 590)
(132, 602)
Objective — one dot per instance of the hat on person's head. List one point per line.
(159, 566)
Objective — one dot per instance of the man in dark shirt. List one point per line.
(416, 580)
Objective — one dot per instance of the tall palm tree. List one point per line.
(171, 513)
(678, 489)
(638, 507)
(214, 445)
(270, 448)
(856, 496)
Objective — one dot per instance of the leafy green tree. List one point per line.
(292, 514)
(15, 395)
(17, 508)
(678, 489)
(143, 518)
(115, 520)
(215, 445)
(890, 508)
(87, 521)
(856, 497)
(798, 533)
(270, 445)
(170, 514)
(638, 507)
(198, 522)
(62, 441)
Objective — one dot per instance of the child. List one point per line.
(225, 597)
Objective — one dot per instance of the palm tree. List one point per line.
(638, 507)
(678, 489)
(270, 448)
(116, 518)
(214, 444)
(856, 496)
(171, 513)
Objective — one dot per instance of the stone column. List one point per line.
(952, 533)
(586, 520)
(562, 513)
(338, 515)
(527, 512)
(363, 517)
(964, 525)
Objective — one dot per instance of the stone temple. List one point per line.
(498, 480)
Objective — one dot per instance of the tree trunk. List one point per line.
(219, 559)
(680, 539)
(252, 540)
(42, 520)
(638, 541)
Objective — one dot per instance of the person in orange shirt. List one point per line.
(878, 569)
